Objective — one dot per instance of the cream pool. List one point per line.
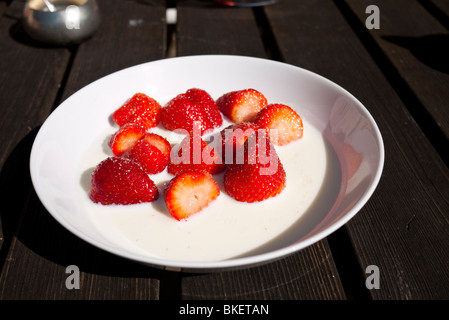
(226, 228)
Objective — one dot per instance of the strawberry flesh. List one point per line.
(241, 105)
(233, 137)
(149, 157)
(121, 181)
(192, 111)
(159, 142)
(194, 154)
(261, 176)
(125, 137)
(281, 122)
(139, 109)
(189, 193)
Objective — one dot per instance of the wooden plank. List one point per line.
(416, 51)
(307, 274)
(3, 6)
(440, 9)
(226, 31)
(131, 34)
(41, 250)
(403, 229)
(29, 78)
(36, 265)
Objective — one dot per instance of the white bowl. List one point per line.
(353, 159)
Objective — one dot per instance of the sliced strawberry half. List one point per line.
(159, 142)
(210, 109)
(241, 105)
(194, 154)
(125, 137)
(193, 110)
(282, 123)
(139, 109)
(149, 157)
(233, 137)
(121, 181)
(189, 193)
(261, 176)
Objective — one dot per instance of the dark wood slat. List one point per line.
(307, 275)
(416, 51)
(41, 248)
(404, 227)
(3, 7)
(235, 31)
(29, 78)
(220, 30)
(132, 33)
(443, 6)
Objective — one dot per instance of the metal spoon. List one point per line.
(50, 6)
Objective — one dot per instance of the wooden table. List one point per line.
(400, 72)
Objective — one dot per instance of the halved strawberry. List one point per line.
(140, 109)
(282, 123)
(149, 157)
(260, 176)
(233, 137)
(241, 105)
(125, 137)
(201, 97)
(194, 154)
(159, 142)
(193, 108)
(189, 193)
(120, 181)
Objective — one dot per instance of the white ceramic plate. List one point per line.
(349, 150)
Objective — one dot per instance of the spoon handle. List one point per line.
(50, 6)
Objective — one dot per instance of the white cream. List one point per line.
(226, 228)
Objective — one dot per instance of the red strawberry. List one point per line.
(195, 107)
(121, 181)
(233, 137)
(242, 105)
(149, 157)
(282, 123)
(125, 137)
(189, 193)
(195, 154)
(159, 142)
(260, 176)
(201, 97)
(140, 109)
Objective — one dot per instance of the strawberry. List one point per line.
(241, 105)
(149, 157)
(194, 154)
(121, 181)
(260, 176)
(201, 97)
(233, 137)
(140, 109)
(125, 137)
(189, 193)
(192, 110)
(282, 123)
(159, 142)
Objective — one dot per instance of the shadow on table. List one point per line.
(431, 50)
(17, 32)
(23, 216)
